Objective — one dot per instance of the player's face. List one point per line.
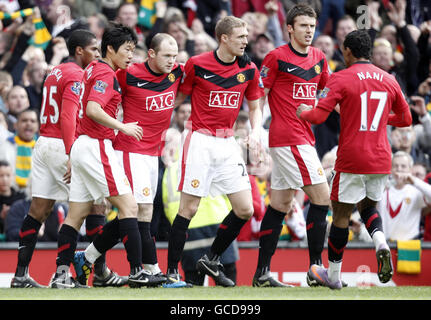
(165, 58)
(124, 55)
(90, 52)
(237, 41)
(302, 31)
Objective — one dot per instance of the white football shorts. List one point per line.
(49, 164)
(211, 165)
(96, 171)
(352, 188)
(295, 167)
(143, 173)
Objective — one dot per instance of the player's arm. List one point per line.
(313, 115)
(180, 98)
(402, 116)
(69, 109)
(95, 112)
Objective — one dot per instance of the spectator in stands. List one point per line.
(402, 203)
(259, 49)
(49, 229)
(4, 132)
(423, 127)
(6, 84)
(344, 26)
(404, 139)
(331, 10)
(127, 14)
(35, 74)
(8, 193)
(17, 150)
(97, 23)
(175, 25)
(16, 102)
(181, 114)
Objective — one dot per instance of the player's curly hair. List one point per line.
(116, 35)
(79, 38)
(359, 43)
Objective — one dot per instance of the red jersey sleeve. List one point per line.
(268, 70)
(102, 88)
(400, 107)
(188, 78)
(331, 94)
(254, 90)
(324, 76)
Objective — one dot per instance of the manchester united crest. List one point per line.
(240, 77)
(146, 191)
(317, 69)
(171, 77)
(320, 171)
(195, 183)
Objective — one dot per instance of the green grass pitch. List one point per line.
(218, 293)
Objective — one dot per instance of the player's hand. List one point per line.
(68, 175)
(132, 129)
(253, 144)
(302, 107)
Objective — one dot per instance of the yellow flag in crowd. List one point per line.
(41, 37)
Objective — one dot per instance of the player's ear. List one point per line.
(152, 53)
(224, 38)
(79, 50)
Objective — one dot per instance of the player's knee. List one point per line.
(282, 205)
(245, 212)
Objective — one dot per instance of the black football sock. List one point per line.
(372, 220)
(227, 232)
(129, 234)
(177, 239)
(316, 231)
(27, 242)
(149, 254)
(337, 241)
(67, 238)
(270, 229)
(108, 236)
(93, 225)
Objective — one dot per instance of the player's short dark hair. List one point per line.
(359, 43)
(79, 38)
(116, 35)
(158, 39)
(300, 9)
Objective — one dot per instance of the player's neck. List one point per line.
(224, 55)
(110, 63)
(298, 47)
(153, 68)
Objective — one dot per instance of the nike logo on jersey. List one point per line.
(229, 82)
(305, 74)
(141, 84)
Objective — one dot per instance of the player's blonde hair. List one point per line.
(227, 24)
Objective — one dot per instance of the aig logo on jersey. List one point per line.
(304, 90)
(160, 102)
(224, 99)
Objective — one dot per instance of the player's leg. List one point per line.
(373, 222)
(316, 220)
(67, 241)
(39, 211)
(337, 241)
(229, 229)
(177, 237)
(270, 228)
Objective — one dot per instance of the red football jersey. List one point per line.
(366, 95)
(149, 99)
(100, 85)
(217, 91)
(293, 78)
(63, 82)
